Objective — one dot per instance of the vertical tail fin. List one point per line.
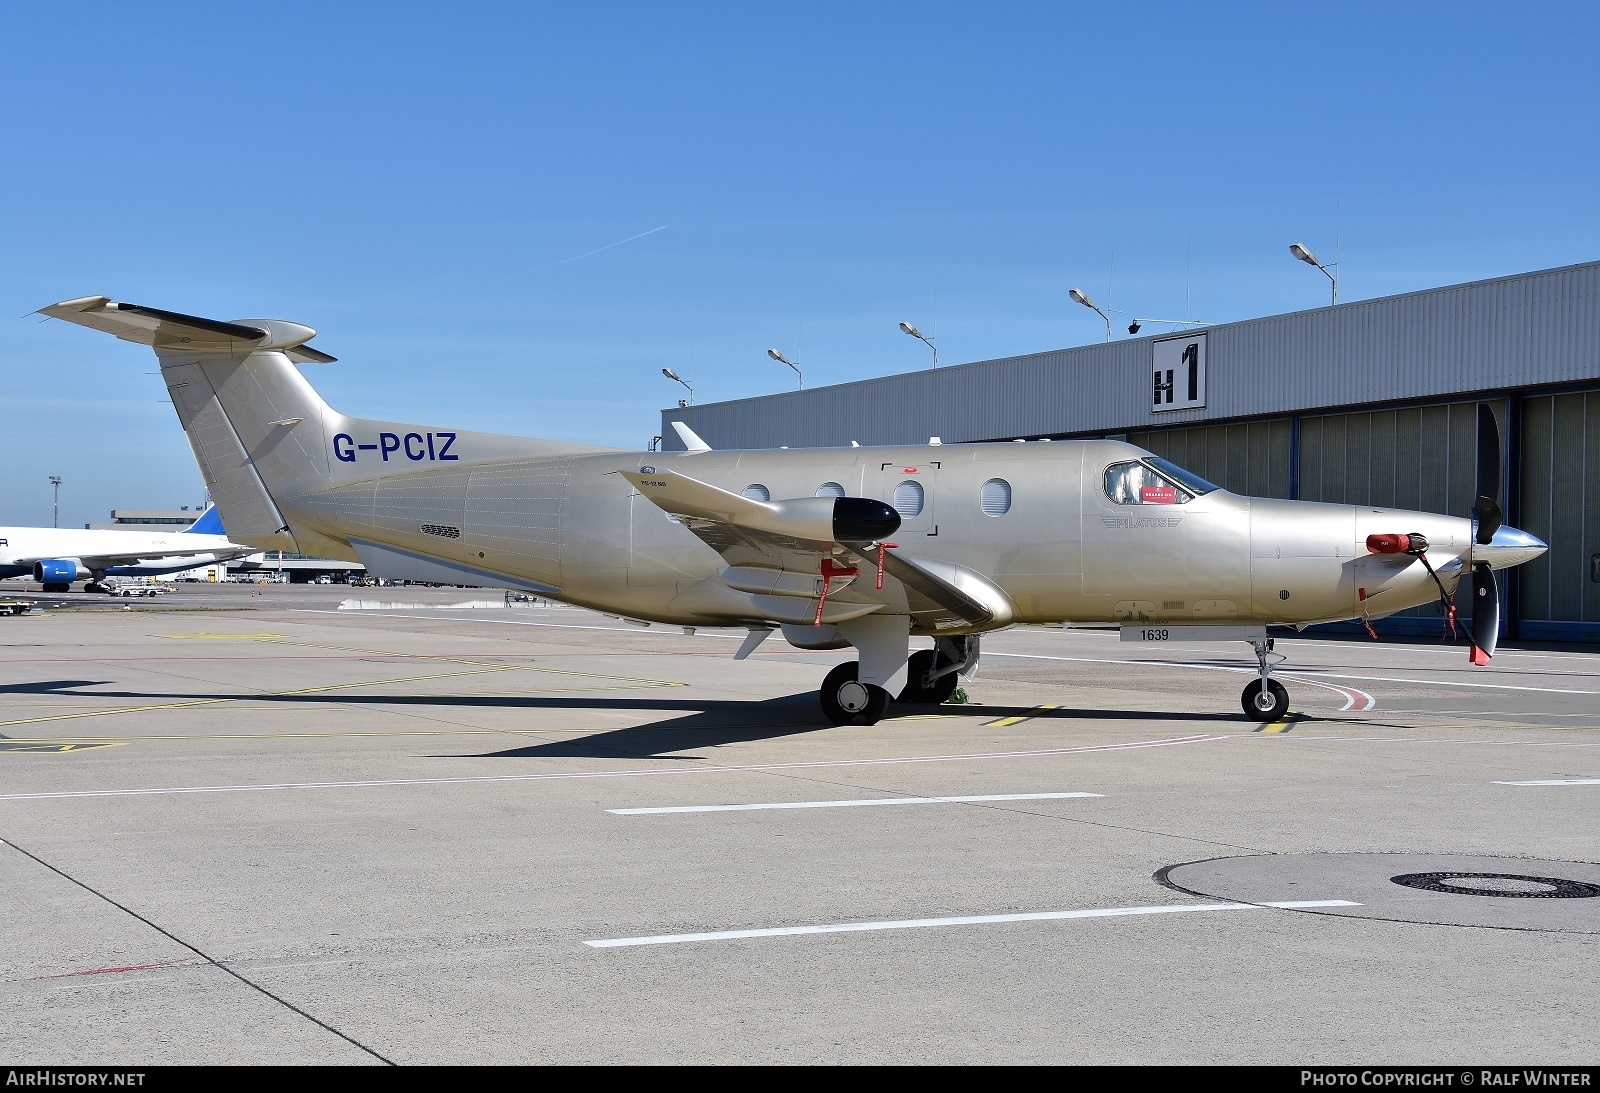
(266, 443)
(238, 396)
(210, 523)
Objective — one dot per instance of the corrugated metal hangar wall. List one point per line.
(1364, 403)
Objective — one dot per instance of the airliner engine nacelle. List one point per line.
(58, 571)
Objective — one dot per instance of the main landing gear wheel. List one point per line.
(1265, 707)
(921, 663)
(848, 701)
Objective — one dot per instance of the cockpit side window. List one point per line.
(1134, 483)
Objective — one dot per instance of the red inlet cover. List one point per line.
(1388, 544)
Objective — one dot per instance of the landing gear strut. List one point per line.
(848, 701)
(1265, 699)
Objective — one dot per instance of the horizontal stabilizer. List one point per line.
(176, 332)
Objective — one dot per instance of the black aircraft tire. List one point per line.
(58, 588)
(862, 704)
(1280, 701)
(922, 662)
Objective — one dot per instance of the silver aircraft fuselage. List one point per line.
(1063, 551)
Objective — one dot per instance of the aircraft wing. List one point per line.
(955, 597)
(790, 535)
(104, 560)
(781, 548)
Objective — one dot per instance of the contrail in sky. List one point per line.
(576, 257)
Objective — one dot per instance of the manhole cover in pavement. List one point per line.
(1446, 889)
(1498, 884)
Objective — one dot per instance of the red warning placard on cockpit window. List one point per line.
(1158, 495)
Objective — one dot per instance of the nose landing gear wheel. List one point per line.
(848, 701)
(1265, 707)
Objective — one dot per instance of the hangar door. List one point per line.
(1419, 457)
(1561, 505)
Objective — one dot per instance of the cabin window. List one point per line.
(1141, 484)
(995, 497)
(908, 499)
(757, 492)
(830, 489)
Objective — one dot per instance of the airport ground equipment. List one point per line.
(865, 547)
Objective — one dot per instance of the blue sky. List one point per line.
(415, 181)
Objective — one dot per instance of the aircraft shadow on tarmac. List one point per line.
(685, 724)
(64, 687)
(717, 724)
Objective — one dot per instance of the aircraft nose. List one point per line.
(1510, 546)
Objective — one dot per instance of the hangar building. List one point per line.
(1371, 402)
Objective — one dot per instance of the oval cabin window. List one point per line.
(995, 498)
(830, 489)
(757, 492)
(908, 499)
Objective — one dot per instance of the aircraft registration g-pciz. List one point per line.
(863, 547)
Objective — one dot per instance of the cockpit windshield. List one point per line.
(1153, 482)
(1187, 479)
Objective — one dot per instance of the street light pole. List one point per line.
(55, 482)
(907, 328)
(781, 359)
(671, 375)
(1079, 295)
(1303, 253)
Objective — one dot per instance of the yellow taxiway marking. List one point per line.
(1007, 722)
(58, 746)
(1283, 724)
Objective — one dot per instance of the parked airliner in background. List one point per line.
(58, 556)
(860, 546)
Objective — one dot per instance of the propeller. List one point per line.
(1485, 614)
(1485, 591)
(1487, 508)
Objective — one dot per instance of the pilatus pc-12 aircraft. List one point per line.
(863, 546)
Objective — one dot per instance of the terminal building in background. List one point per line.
(150, 519)
(1366, 403)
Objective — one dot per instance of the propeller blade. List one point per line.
(1485, 614)
(1487, 508)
